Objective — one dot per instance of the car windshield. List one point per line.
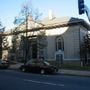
(47, 63)
(31, 62)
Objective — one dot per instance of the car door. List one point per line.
(30, 66)
(33, 66)
(39, 66)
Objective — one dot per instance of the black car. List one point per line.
(38, 66)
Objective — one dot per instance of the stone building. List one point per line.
(53, 39)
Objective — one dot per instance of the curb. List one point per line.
(61, 71)
(75, 72)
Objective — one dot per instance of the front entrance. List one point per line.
(59, 58)
(34, 51)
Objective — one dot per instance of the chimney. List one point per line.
(50, 16)
(30, 18)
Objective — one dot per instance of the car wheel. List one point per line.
(42, 71)
(23, 69)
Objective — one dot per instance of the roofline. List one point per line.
(63, 24)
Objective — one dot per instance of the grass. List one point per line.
(75, 67)
(71, 66)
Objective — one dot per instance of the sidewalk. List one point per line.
(74, 72)
(61, 71)
(15, 66)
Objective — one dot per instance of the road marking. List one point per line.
(44, 83)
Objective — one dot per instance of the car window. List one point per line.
(46, 63)
(39, 63)
(30, 62)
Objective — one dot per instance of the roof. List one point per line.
(63, 21)
(55, 23)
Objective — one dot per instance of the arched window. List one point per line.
(59, 43)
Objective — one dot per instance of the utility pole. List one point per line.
(26, 41)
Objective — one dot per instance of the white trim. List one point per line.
(59, 52)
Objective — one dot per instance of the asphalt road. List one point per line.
(15, 80)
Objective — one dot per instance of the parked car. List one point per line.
(38, 66)
(3, 64)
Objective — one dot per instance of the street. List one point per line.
(16, 80)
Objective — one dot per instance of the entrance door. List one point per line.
(34, 51)
(59, 59)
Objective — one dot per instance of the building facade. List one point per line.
(50, 39)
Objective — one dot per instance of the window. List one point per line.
(59, 44)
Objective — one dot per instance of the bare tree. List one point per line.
(25, 13)
(85, 50)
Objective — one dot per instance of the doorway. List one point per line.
(34, 51)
